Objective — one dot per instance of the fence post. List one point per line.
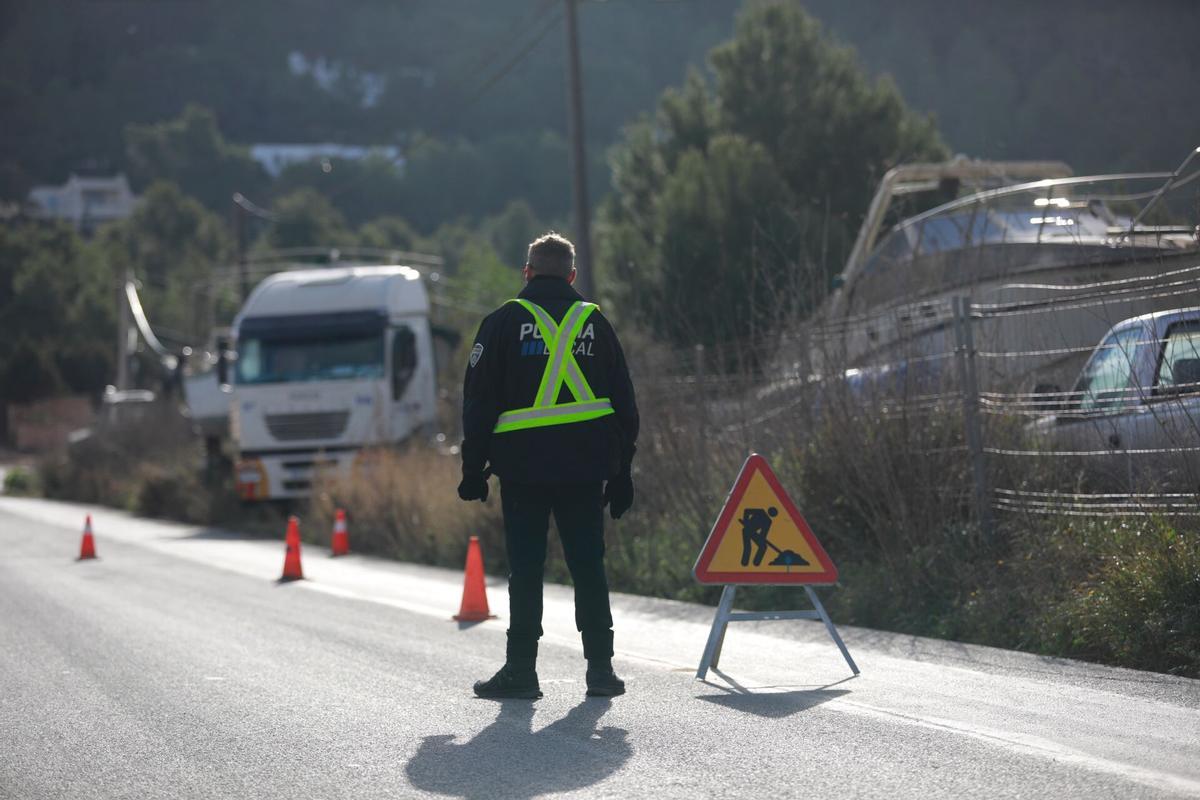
(968, 381)
(701, 420)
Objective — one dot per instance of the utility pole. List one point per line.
(583, 235)
(239, 232)
(123, 333)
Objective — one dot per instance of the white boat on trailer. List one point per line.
(1051, 260)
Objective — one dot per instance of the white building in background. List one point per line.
(84, 202)
(275, 158)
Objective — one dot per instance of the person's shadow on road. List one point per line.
(509, 759)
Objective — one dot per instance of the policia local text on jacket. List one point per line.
(552, 451)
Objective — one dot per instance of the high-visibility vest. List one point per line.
(561, 370)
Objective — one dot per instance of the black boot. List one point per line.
(511, 681)
(602, 681)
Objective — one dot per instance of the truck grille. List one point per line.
(318, 425)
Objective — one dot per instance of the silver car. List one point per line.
(1136, 405)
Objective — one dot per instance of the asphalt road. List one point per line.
(174, 666)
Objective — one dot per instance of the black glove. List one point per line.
(474, 486)
(618, 495)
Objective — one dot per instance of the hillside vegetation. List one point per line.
(1103, 86)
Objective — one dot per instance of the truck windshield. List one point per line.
(325, 358)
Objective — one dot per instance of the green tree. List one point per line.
(512, 230)
(475, 281)
(473, 273)
(441, 181)
(56, 309)
(191, 152)
(305, 218)
(173, 246)
(363, 189)
(29, 373)
(832, 131)
(483, 280)
(457, 179)
(390, 233)
(722, 217)
(737, 201)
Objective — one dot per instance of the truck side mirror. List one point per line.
(224, 357)
(404, 360)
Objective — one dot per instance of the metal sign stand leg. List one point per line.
(716, 636)
(725, 615)
(833, 634)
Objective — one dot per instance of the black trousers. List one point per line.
(579, 513)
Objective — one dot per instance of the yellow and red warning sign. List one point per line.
(761, 537)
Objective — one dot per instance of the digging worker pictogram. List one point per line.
(549, 408)
(756, 524)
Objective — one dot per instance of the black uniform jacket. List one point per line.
(505, 370)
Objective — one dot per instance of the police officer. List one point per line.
(548, 407)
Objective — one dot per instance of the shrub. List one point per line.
(172, 491)
(20, 481)
(153, 466)
(1138, 601)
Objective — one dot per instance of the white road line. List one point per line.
(1029, 745)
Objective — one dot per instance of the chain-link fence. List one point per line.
(964, 415)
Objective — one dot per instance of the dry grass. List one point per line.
(403, 504)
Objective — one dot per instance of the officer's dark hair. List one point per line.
(551, 254)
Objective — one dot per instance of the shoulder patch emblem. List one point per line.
(476, 353)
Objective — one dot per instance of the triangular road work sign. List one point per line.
(761, 537)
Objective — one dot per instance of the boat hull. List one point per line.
(1034, 323)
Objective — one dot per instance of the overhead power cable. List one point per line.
(511, 64)
(492, 55)
(482, 88)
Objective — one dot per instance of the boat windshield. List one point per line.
(1097, 212)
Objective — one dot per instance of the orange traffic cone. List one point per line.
(341, 540)
(87, 548)
(474, 606)
(291, 561)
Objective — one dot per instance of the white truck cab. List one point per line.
(329, 361)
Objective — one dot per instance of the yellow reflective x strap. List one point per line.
(560, 342)
(561, 369)
(522, 418)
